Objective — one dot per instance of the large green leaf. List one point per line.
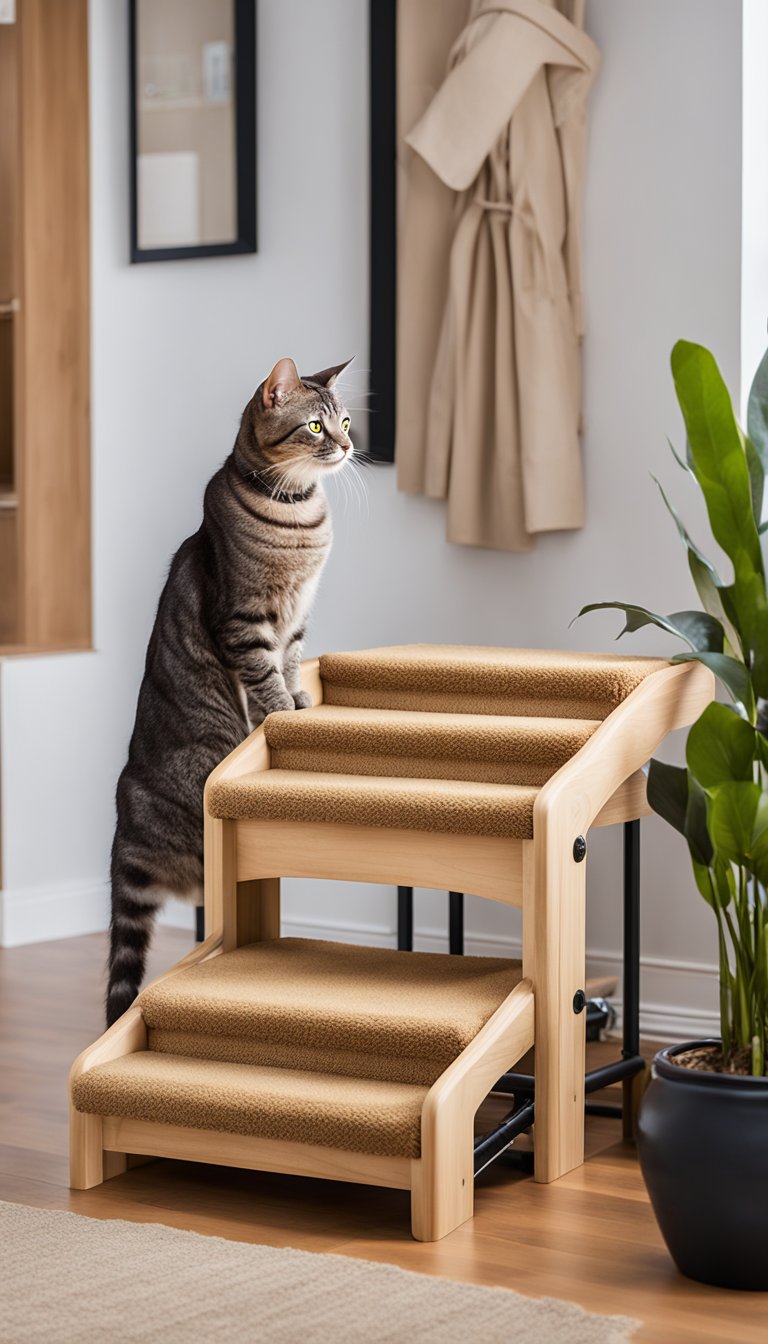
(699, 630)
(757, 411)
(667, 792)
(718, 455)
(738, 825)
(675, 796)
(696, 823)
(732, 812)
(731, 673)
(756, 480)
(712, 592)
(720, 747)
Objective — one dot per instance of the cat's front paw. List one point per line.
(302, 699)
(279, 703)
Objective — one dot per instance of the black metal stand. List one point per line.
(405, 921)
(456, 923)
(199, 923)
(492, 1145)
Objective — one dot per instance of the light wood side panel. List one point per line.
(236, 1150)
(443, 1178)
(488, 866)
(53, 323)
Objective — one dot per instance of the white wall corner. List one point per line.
(754, 193)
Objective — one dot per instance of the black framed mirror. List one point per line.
(192, 128)
(383, 228)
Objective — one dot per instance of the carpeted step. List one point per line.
(355, 1114)
(329, 1007)
(338, 739)
(455, 806)
(458, 679)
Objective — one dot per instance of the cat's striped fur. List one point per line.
(225, 649)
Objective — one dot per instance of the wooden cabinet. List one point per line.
(45, 565)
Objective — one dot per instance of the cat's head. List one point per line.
(300, 427)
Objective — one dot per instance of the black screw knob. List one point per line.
(579, 1001)
(579, 848)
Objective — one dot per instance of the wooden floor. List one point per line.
(590, 1237)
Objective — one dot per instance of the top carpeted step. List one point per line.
(455, 679)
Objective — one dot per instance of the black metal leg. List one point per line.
(200, 923)
(456, 923)
(405, 919)
(631, 995)
(634, 1086)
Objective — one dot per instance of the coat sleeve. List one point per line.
(480, 93)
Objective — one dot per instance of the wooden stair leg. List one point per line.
(443, 1179)
(258, 910)
(86, 1156)
(554, 915)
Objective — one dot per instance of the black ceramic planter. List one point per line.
(703, 1146)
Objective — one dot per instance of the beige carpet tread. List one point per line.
(486, 748)
(455, 679)
(335, 997)
(465, 807)
(309, 1058)
(354, 1114)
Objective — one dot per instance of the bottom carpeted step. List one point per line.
(355, 1114)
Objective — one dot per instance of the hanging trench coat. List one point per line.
(497, 430)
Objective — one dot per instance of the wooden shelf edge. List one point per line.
(40, 650)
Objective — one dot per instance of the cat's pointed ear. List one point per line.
(327, 377)
(283, 379)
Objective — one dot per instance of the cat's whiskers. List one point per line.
(358, 486)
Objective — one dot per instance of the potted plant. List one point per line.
(703, 1127)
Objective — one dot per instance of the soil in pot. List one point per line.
(703, 1148)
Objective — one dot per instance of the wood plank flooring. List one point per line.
(590, 1237)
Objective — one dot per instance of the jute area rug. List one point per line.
(86, 1281)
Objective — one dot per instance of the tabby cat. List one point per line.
(225, 650)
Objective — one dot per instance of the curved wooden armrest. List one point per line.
(623, 744)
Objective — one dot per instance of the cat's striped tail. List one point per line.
(134, 906)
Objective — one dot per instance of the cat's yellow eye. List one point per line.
(345, 424)
(315, 426)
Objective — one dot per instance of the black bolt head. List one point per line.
(579, 848)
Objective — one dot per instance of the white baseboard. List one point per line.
(42, 914)
(678, 999)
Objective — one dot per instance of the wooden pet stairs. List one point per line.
(479, 770)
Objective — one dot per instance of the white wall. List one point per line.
(179, 346)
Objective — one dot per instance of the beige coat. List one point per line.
(489, 302)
